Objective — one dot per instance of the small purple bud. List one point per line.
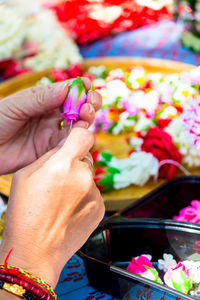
(76, 97)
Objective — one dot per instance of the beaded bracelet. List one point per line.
(16, 290)
(35, 285)
(22, 273)
(26, 284)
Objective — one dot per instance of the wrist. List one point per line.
(26, 259)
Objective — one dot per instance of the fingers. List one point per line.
(87, 113)
(95, 99)
(88, 160)
(81, 124)
(77, 145)
(38, 100)
(94, 102)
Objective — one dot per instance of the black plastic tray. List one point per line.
(110, 248)
(166, 201)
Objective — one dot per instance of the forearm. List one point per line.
(7, 296)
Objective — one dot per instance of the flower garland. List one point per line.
(32, 39)
(154, 108)
(183, 276)
(91, 20)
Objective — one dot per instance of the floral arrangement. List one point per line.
(89, 20)
(152, 112)
(33, 39)
(150, 106)
(183, 276)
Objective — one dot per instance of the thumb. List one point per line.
(77, 145)
(36, 100)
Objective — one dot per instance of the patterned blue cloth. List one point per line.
(159, 41)
(73, 283)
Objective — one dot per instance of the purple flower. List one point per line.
(102, 121)
(129, 106)
(76, 97)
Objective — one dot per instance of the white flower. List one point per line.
(147, 101)
(137, 78)
(190, 156)
(155, 78)
(114, 89)
(146, 255)
(140, 167)
(194, 270)
(136, 143)
(123, 123)
(168, 260)
(143, 123)
(56, 48)
(97, 71)
(99, 82)
(105, 14)
(183, 93)
(12, 32)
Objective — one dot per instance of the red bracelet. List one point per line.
(33, 286)
(29, 286)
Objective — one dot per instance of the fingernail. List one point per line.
(59, 87)
(86, 125)
(91, 109)
(92, 98)
(61, 143)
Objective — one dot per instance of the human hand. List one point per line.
(29, 123)
(53, 208)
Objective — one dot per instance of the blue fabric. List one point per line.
(73, 283)
(161, 40)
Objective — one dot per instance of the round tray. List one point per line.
(117, 199)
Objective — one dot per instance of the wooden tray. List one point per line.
(114, 200)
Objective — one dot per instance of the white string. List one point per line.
(173, 162)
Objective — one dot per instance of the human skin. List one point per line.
(29, 123)
(54, 204)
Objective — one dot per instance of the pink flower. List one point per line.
(190, 213)
(76, 97)
(177, 277)
(144, 268)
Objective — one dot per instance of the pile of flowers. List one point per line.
(31, 38)
(155, 113)
(88, 20)
(183, 276)
(150, 106)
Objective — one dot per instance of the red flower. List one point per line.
(59, 75)
(75, 70)
(162, 123)
(160, 144)
(10, 68)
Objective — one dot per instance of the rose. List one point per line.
(160, 144)
(76, 97)
(190, 213)
(143, 267)
(177, 277)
